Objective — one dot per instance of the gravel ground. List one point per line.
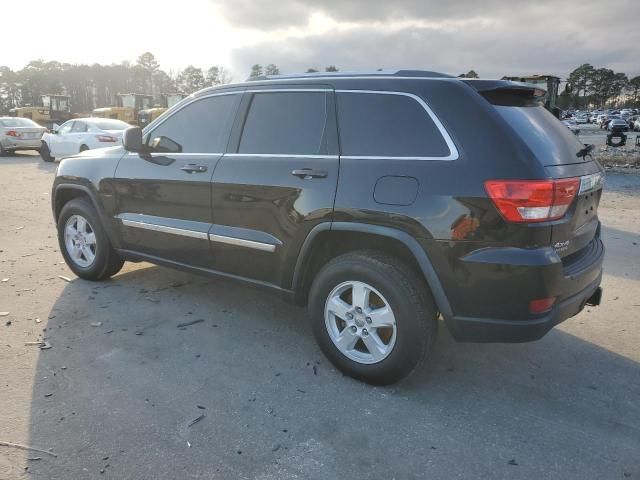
(118, 392)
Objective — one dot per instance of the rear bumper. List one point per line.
(16, 144)
(574, 285)
(469, 329)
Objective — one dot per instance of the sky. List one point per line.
(493, 37)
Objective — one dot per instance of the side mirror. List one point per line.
(132, 139)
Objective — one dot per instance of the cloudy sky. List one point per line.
(494, 37)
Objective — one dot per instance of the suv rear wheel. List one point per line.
(372, 316)
(84, 243)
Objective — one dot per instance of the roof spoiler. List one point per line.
(507, 93)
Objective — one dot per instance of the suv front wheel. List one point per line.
(84, 243)
(372, 316)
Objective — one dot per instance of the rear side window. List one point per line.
(290, 123)
(200, 127)
(549, 140)
(378, 124)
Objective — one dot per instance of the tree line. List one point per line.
(92, 86)
(588, 86)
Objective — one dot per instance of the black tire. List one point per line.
(406, 293)
(45, 153)
(83, 148)
(107, 262)
(4, 152)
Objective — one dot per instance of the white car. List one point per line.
(582, 119)
(81, 134)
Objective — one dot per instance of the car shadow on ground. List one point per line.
(123, 389)
(30, 156)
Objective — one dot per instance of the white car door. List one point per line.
(56, 141)
(77, 137)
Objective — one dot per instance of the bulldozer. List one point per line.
(148, 115)
(55, 110)
(549, 83)
(127, 107)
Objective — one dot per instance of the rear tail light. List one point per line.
(13, 133)
(529, 201)
(542, 305)
(106, 138)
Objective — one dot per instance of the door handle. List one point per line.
(308, 174)
(193, 168)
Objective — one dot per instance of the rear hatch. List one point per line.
(563, 157)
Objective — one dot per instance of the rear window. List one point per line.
(377, 124)
(549, 140)
(108, 124)
(18, 122)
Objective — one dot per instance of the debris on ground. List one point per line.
(62, 277)
(44, 345)
(193, 422)
(96, 324)
(512, 462)
(4, 314)
(192, 322)
(26, 447)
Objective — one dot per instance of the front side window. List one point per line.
(200, 127)
(65, 128)
(79, 127)
(378, 124)
(289, 123)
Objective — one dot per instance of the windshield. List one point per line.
(108, 124)
(549, 140)
(18, 122)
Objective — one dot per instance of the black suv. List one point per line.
(382, 201)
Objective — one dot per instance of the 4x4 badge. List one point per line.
(562, 246)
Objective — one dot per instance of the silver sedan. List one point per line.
(19, 134)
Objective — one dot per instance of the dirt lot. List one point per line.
(116, 394)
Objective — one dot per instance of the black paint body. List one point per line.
(482, 270)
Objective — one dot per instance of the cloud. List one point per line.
(494, 37)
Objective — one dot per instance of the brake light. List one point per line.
(529, 201)
(542, 305)
(13, 133)
(106, 138)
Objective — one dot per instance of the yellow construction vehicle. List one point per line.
(148, 115)
(55, 109)
(127, 108)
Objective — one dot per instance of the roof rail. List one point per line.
(374, 73)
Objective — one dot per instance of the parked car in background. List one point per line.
(81, 134)
(636, 125)
(573, 126)
(600, 118)
(367, 198)
(608, 120)
(19, 134)
(581, 119)
(618, 125)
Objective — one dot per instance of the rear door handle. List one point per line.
(193, 168)
(307, 173)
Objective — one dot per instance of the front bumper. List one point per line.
(506, 280)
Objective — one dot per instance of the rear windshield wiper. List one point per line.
(583, 152)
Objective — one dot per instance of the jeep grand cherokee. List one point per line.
(382, 201)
